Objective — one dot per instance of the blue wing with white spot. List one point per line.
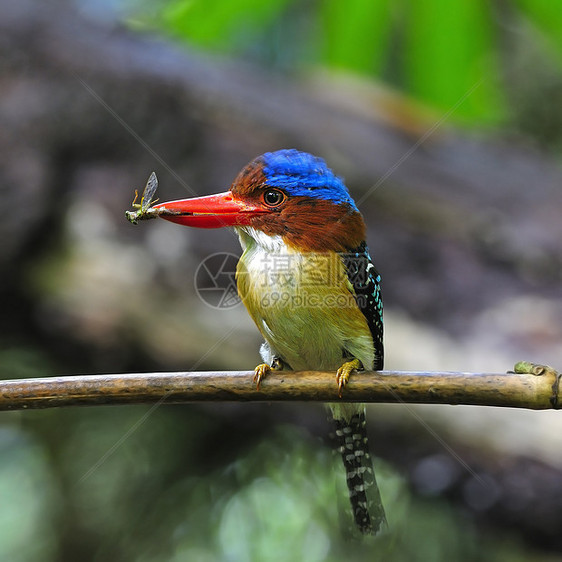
(366, 280)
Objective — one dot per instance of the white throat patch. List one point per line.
(273, 244)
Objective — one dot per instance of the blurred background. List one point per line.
(444, 118)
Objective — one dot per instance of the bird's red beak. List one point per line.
(211, 211)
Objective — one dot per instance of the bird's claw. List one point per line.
(263, 369)
(343, 373)
(260, 372)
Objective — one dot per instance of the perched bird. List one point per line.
(307, 280)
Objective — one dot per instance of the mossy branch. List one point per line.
(531, 386)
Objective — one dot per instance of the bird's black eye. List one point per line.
(273, 197)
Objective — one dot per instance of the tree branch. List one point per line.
(537, 391)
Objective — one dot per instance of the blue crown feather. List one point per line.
(302, 174)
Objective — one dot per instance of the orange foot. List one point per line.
(263, 369)
(342, 375)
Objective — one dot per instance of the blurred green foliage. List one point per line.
(547, 16)
(448, 52)
(219, 24)
(344, 23)
(445, 54)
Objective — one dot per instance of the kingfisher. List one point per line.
(307, 280)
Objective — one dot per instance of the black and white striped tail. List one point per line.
(366, 504)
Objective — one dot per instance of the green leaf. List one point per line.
(356, 33)
(217, 24)
(448, 52)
